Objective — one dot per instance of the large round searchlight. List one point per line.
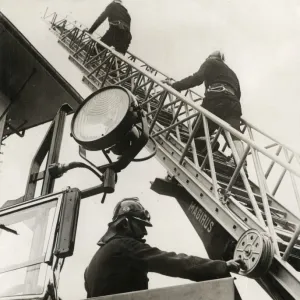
(110, 120)
(104, 118)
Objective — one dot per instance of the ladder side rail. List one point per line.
(245, 180)
(200, 109)
(251, 125)
(156, 83)
(263, 189)
(130, 54)
(251, 196)
(169, 153)
(232, 216)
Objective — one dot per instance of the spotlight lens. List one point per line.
(101, 115)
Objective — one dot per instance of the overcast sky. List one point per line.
(261, 41)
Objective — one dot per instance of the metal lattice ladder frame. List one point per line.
(173, 120)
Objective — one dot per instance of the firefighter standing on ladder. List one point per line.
(222, 94)
(123, 260)
(118, 35)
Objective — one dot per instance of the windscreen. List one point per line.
(24, 239)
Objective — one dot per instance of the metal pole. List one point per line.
(129, 77)
(257, 162)
(167, 105)
(149, 90)
(195, 157)
(210, 157)
(45, 12)
(153, 97)
(273, 162)
(268, 136)
(245, 180)
(281, 177)
(161, 103)
(212, 146)
(237, 170)
(66, 34)
(107, 72)
(99, 67)
(264, 197)
(175, 116)
(198, 123)
(81, 48)
(293, 181)
(54, 150)
(291, 244)
(271, 146)
(137, 82)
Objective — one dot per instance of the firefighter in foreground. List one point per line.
(222, 94)
(124, 259)
(118, 35)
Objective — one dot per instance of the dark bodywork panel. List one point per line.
(35, 89)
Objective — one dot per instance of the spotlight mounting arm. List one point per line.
(108, 178)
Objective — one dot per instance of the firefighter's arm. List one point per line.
(85, 283)
(239, 94)
(179, 265)
(100, 19)
(191, 81)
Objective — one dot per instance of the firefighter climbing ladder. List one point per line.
(242, 206)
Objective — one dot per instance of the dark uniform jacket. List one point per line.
(114, 12)
(211, 71)
(122, 264)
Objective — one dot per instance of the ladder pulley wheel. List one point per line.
(257, 251)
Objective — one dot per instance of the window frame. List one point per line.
(46, 258)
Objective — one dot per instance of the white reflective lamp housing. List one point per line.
(104, 118)
(111, 119)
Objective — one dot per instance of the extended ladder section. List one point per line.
(237, 201)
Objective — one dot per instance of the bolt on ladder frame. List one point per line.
(170, 116)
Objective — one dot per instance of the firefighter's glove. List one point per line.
(167, 81)
(234, 265)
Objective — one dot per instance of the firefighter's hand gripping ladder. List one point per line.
(244, 208)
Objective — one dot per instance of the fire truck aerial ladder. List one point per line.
(235, 215)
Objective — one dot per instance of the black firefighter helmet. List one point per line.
(132, 208)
